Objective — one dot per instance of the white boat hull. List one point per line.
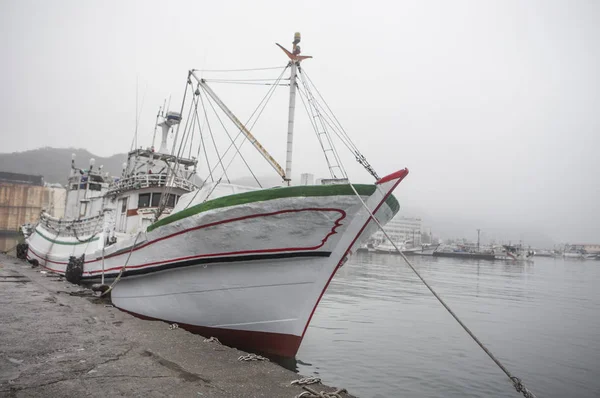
(250, 274)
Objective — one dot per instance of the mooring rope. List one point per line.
(124, 266)
(517, 383)
(11, 249)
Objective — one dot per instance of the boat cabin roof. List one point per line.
(150, 154)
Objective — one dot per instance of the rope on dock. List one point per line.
(517, 383)
(9, 250)
(118, 278)
(310, 393)
(305, 381)
(252, 357)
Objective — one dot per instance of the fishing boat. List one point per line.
(513, 253)
(406, 248)
(547, 253)
(575, 252)
(242, 263)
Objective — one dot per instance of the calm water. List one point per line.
(379, 332)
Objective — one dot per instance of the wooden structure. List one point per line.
(21, 198)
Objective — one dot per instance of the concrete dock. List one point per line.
(60, 340)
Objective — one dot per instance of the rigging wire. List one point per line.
(360, 158)
(270, 95)
(242, 80)
(167, 189)
(252, 84)
(316, 115)
(232, 141)
(264, 100)
(262, 104)
(203, 146)
(315, 128)
(238, 70)
(213, 140)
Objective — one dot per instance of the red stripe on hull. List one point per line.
(337, 223)
(282, 345)
(125, 252)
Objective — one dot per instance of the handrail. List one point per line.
(151, 180)
(75, 228)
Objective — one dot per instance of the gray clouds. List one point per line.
(492, 105)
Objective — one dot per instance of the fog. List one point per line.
(493, 106)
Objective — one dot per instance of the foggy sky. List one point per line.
(494, 106)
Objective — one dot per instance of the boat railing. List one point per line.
(139, 181)
(75, 228)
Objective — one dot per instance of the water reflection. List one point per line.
(379, 332)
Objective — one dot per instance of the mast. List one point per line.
(291, 111)
(295, 59)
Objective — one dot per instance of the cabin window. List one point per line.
(143, 200)
(74, 187)
(172, 199)
(156, 199)
(95, 187)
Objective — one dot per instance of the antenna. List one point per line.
(136, 109)
(156, 126)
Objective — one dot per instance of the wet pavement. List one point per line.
(59, 339)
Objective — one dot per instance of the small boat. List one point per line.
(575, 252)
(245, 264)
(405, 247)
(513, 253)
(547, 253)
(426, 250)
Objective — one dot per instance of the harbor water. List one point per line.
(380, 333)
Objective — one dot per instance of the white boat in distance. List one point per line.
(247, 265)
(513, 253)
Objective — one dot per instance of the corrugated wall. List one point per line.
(19, 204)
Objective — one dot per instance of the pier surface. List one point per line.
(59, 340)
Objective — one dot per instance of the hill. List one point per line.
(54, 163)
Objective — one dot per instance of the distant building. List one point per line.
(590, 248)
(307, 179)
(401, 229)
(21, 198)
(55, 199)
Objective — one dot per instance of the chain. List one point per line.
(173, 326)
(212, 340)
(306, 380)
(310, 393)
(252, 357)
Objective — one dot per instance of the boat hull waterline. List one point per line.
(250, 273)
